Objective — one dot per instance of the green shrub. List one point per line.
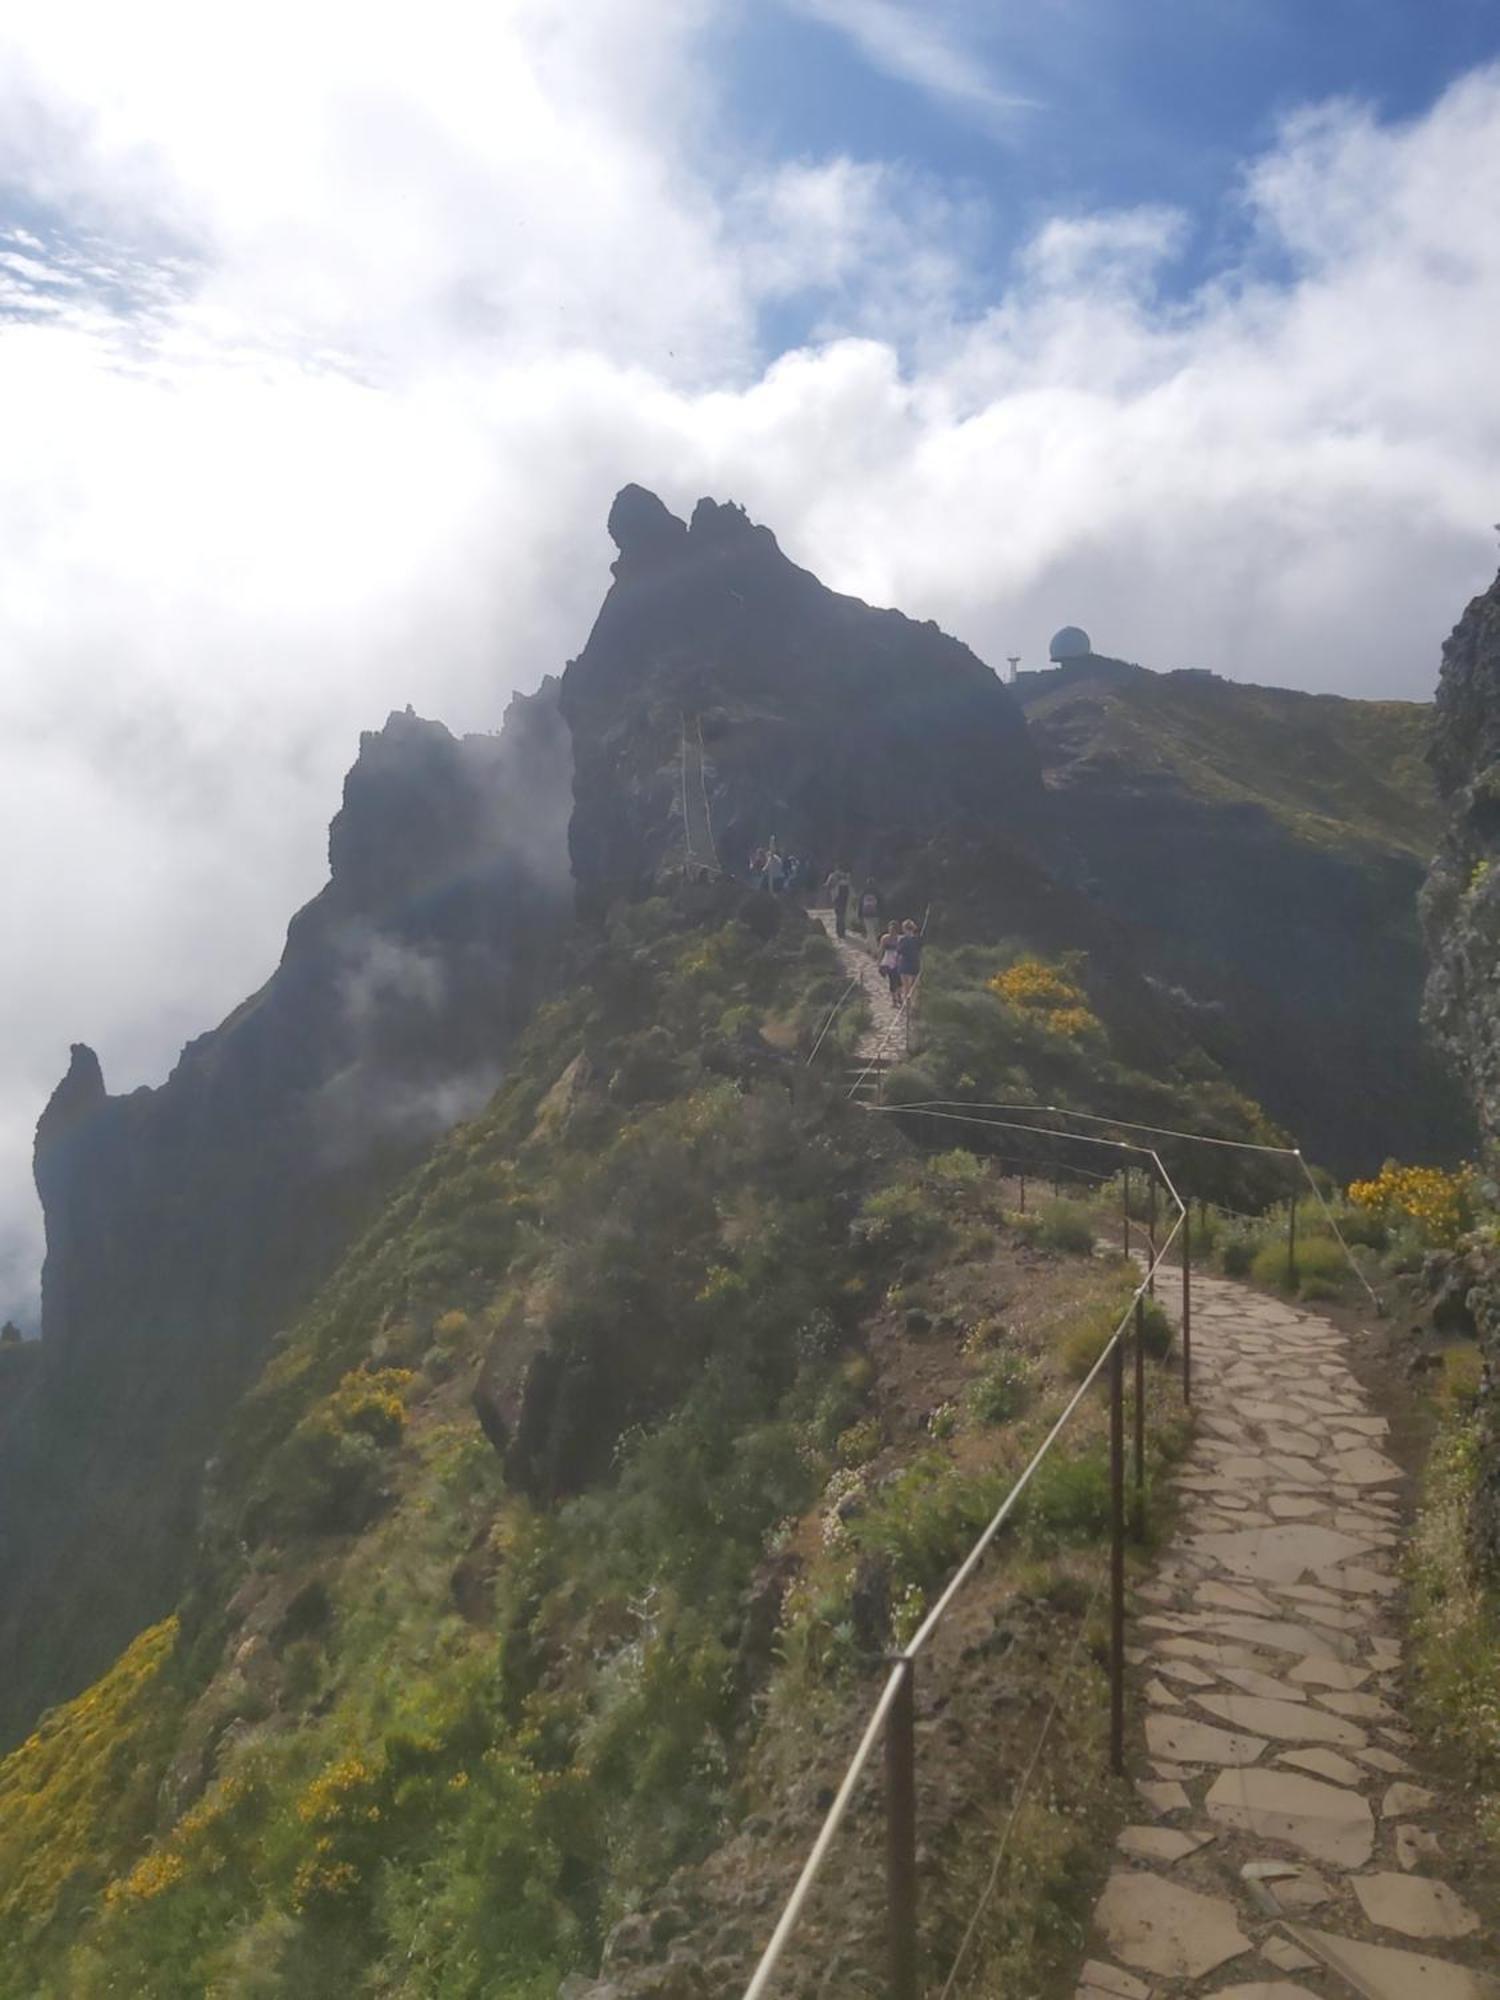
(897, 1221)
(1320, 1261)
(1002, 1391)
(1156, 1330)
(926, 1519)
(1067, 1226)
(1068, 1500)
(1237, 1253)
(1083, 1343)
(860, 1442)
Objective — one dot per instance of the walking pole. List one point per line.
(1117, 1558)
(1187, 1307)
(1140, 1419)
(901, 1834)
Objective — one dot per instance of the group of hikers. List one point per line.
(897, 947)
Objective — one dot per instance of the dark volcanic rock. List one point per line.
(185, 1223)
(851, 734)
(1461, 917)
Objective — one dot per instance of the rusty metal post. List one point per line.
(1140, 1419)
(1117, 1558)
(1151, 1230)
(901, 1834)
(1291, 1244)
(1023, 1194)
(1187, 1308)
(1125, 1208)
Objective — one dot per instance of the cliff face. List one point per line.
(1266, 847)
(1461, 918)
(853, 735)
(1461, 899)
(185, 1223)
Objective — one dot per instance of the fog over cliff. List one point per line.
(298, 434)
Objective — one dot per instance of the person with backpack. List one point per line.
(838, 886)
(888, 959)
(869, 914)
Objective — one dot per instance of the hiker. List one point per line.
(889, 962)
(838, 886)
(909, 957)
(869, 913)
(758, 867)
(774, 866)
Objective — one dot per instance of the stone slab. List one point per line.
(1327, 1822)
(1325, 1764)
(1330, 1674)
(1161, 1926)
(1414, 1844)
(1414, 1905)
(1280, 1721)
(1382, 1972)
(1189, 1742)
(1400, 1799)
(1159, 1843)
(1110, 1979)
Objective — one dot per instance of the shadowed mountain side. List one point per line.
(1265, 847)
(185, 1223)
(851, 734)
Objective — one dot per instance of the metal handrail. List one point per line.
(833, 1015)
(898, 1680)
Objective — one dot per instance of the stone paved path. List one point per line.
(1285, 1850)
(885, 1038)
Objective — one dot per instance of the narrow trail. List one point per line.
(884, 1041)
(1286, 1850)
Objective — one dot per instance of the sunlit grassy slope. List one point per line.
(1333, 772)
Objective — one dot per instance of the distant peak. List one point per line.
(80, 1091)
(643, 530)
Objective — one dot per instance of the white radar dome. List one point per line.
(1071, 643)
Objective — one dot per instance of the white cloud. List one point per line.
(359, 318)
(914, 44)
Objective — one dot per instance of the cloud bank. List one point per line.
(327, 334)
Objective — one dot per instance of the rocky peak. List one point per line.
(851, 733)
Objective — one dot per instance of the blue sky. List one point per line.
(1116, 102)
(328, 329)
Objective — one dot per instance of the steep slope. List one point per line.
(1266, 847)
(185, 1223)
(1461, 918)
(517, 1591)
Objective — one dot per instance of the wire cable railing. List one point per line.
(893, 1717)
(957, 1106)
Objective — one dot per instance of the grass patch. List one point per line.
(1455, 1625)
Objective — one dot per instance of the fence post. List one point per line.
(901, 1833)
(1023, 1194)
(1151, 1231)
(1291, 1244)
(1117, 1557)
(1187, 1305)
(1125, 1207)
(1140, 1419)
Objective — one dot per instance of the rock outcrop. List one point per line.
(1461, 918)
(186, 1223)
(853, 735)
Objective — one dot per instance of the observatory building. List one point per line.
(1070, 644)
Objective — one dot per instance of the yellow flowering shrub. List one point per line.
(1437, 1201)
(1042, 990)
(80, 1787)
